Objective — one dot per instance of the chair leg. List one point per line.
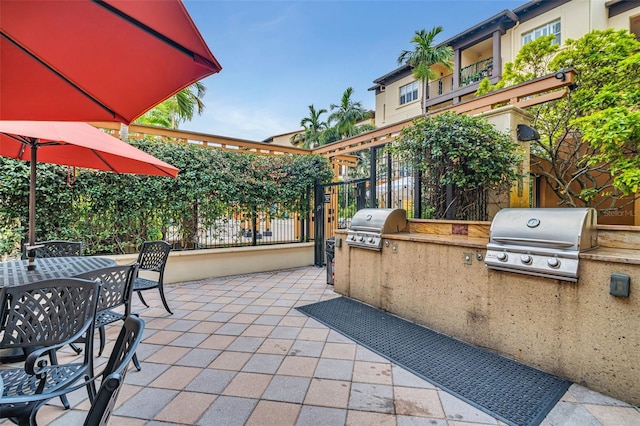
(91, 390)
(102, 339)
(142, 299)
(31, 419)
(136, 362)
(53, 356)
(77, 349)
(164, 300)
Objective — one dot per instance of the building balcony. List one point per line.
(476, 72)
(443, 92)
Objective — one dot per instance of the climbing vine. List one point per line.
(114, 213)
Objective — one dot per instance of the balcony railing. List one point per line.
(441, 86)
(476, 72)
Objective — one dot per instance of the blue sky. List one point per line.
(278, 57)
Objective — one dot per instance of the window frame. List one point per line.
(409, 90)
(544, 30)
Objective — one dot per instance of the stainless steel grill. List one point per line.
(368, 225)
(542, 242)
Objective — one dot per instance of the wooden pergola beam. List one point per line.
(205, 140)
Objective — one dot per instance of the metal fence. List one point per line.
(239, 228)
(393, 183)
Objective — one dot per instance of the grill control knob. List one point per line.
(526, 259)
(502, 257)
(361, 239)
(553, 262)
(370, 239)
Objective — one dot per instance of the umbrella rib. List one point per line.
(163, 171)
(153, 32)
(23, 142)
(111, 168)
(54, 71)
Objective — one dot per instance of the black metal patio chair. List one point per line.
(41, 318)
(152, 259)
(114, 373)
(56, 248)
(114, 303)
(112, 376)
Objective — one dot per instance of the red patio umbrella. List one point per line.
(73, 144)
(96, 60)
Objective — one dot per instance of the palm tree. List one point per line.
(424, 56)
(177, 109)
(347, 114)
(313, 128)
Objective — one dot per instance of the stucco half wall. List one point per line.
(190, 265)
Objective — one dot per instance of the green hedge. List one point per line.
(112, 212)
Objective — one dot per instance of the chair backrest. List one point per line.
(47, 313)
(115, 371)
(153, 255)
(56, 249)
(117, 285)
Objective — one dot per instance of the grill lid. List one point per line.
(555, 228)
(368, 225)
(382, 221)
(542, 242)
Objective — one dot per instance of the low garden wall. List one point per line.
(190, 265)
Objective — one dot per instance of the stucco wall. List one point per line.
(623, 20)
(577, 331)
(388, 108)
(200, 264)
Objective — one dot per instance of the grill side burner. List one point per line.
(541, 242)
(368, 225)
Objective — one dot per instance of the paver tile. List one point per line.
(339, 350)
(230, 360)
(247, 385)
(274, 413)
(176, 377)
(276, 346)
(328, 393)
(167, 355)
(419, 402)
(298, 366)
(186, 408)
(371, 397)
(372, 372)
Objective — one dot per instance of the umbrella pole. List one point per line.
(31, 252)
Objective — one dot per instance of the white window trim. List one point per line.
(409, 90)
(535, 33)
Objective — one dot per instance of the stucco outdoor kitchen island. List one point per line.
(434, 274)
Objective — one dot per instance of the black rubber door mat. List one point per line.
(512, 392)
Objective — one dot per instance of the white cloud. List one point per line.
(236, 121)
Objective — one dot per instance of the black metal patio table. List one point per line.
(15, 272)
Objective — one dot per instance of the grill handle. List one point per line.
(534, 242)
(365, 229)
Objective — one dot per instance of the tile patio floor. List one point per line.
(236, 352)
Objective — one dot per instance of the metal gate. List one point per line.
(335, 205)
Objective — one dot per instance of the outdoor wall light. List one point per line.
(527, 133)
(560, 75)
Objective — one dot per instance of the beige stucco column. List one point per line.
(507, 118)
